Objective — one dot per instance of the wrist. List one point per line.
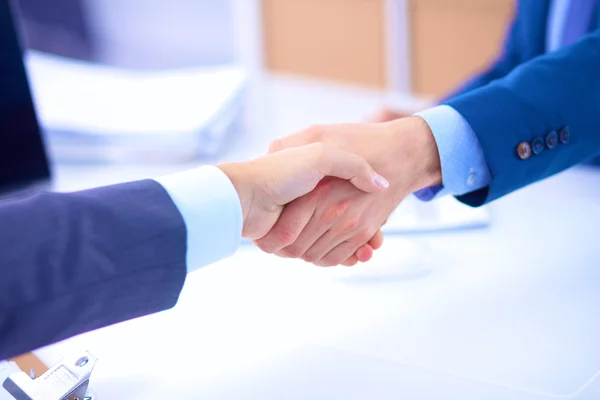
(259, 212)
(238, 175)
(412, 154)
(426, 146)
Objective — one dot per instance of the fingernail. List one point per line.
(380, 180)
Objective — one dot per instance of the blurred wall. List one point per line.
(432, 45)
(451, 39)
(346, 40)
(332, 39)
(163, 33)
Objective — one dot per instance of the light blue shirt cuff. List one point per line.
(211, 209)
(464, 168)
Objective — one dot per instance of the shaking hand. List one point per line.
(336, 223)
(267, 184)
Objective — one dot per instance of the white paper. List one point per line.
(99, 100)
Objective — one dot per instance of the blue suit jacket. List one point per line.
(527, 94)
(74, 262)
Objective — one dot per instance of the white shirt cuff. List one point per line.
(211, 209)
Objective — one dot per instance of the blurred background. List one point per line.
(420, 47)
(406, 52)
(178, 83)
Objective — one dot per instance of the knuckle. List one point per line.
(310, 258)
(319, 152)
(270, 187)
(322, 189)
(293, 251)
(265, 245)
(383, 115)
(334, 212)
(275, 146)
(388, 113)
(331, 261)
(285, 235)
(364, 166)
(360, 162)
(362, 237)
(352, 224)
(315, 133)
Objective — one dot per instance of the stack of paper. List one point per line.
(89, 110)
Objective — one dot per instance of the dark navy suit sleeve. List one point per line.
(557, 92)
(74, 262)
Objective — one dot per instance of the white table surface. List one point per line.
(506, 312)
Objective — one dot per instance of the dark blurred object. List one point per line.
(58, 26)
(23, 163)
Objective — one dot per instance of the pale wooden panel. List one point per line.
(452, 39)
(340, 40)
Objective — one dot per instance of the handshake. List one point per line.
(322, 194)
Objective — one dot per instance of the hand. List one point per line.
(266, 184)
(329, 225)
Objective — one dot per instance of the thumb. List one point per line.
(331, 161)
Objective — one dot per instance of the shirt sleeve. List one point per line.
(464, 168)
(211, 210)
